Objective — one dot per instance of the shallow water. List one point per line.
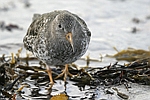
(110, 21)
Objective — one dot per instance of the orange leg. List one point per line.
(49, 71)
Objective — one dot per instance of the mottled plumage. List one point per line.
(46, 37)
(57, 38)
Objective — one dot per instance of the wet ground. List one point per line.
(113, 23)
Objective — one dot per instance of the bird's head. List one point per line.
(63, 25)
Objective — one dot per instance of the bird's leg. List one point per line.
(49, 71)
(65, 73)
(83, 70)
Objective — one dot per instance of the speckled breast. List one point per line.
(60, 52)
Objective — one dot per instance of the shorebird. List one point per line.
(57, 38)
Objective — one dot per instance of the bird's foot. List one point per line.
(83, 70)
(50, 87)
(89, 75)
(65, 73)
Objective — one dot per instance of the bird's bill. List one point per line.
(69, 38)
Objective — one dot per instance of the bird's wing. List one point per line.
(37, 28)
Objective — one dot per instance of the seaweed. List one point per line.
(130, 54)
(14, 70)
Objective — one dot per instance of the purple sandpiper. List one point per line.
(57, 38)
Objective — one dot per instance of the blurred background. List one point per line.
(113, 23)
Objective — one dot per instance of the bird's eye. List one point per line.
(59, 26)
